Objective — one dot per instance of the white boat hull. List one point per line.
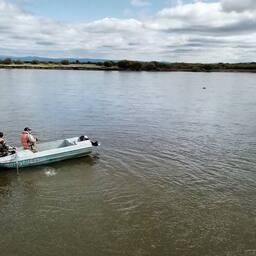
(48, 153)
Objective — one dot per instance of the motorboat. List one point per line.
(49, 152)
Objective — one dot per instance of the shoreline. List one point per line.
(59, 67)
(95, 67)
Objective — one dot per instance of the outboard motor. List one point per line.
(84, 138)
(95, 143)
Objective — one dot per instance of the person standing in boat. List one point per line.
(3, 146)
(5, 150)
(28, 141)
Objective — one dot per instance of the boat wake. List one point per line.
(49, 172)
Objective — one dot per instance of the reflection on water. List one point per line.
(175, 173)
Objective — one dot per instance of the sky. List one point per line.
(163, 30)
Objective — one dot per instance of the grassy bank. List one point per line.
(56, 66)
(127, 65)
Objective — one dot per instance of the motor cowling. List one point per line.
(84, 138)
(95, 143)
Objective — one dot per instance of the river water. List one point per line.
(175, 173)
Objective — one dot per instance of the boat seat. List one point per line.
(69, 142)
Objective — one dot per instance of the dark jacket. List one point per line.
(3, 148)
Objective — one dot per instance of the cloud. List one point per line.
(107, 25)
(238, 5)
(194, 32)
(140, 3)
(203, 17)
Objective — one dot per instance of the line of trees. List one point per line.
(146, 66)
(9, 61)
(195, 67)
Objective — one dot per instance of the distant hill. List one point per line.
(45, 59)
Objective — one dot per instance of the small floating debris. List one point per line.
(204, 88)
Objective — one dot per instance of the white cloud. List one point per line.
(195, 32)
(201, 16)
(238, 5)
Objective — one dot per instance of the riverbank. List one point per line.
(136, 66)
(57, 66)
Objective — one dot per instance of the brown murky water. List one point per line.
(175, 175)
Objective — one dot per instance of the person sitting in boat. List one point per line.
(28, 141)
(5, 150)
(83, 138)
(3, 146)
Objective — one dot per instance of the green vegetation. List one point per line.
(108, 63)
(128, 65)
(18, 62)
(193, 67)
(65, 62)
(7, 61)
(35, 62)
